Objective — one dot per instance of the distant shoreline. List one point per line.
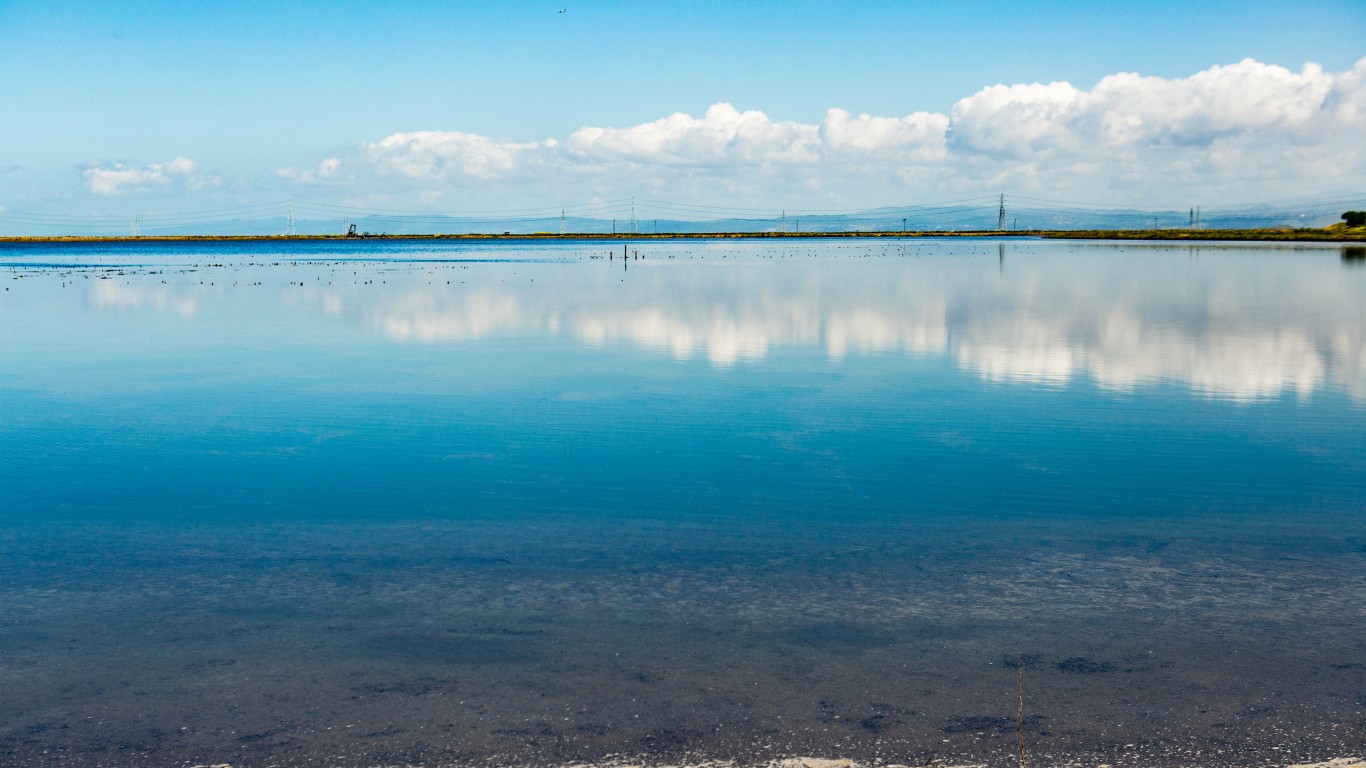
(1269, 235)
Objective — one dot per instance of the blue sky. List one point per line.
(247, 91)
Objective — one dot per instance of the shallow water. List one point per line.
(375, 503)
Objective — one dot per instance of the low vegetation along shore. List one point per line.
(1335, 233)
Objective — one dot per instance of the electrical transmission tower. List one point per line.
(1001, 216)
(562, 221)
(290, 218)
(633, 214)
(134, 230)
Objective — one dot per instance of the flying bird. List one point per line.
(562, 10)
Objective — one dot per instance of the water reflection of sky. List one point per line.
(358, 490)
(1242, 323)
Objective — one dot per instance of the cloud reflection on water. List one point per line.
(1221, 332)
(1232, 323)
(111, 296)
(726, 330)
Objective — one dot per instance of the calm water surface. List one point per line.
(511, 504)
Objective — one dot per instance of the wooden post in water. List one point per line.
(1019, 669)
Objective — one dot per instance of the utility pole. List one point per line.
(1001, 215)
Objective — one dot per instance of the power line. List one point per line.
(60, 218)
(1042, 212)
(600, 204)
(810, 211)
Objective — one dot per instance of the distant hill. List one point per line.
(1021, 214)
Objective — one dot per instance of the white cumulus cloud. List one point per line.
(327, 169)
(724, 136)
(1128, 110)
(919, 135)
(117, 178)
(439, 155)
(1242, 129)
